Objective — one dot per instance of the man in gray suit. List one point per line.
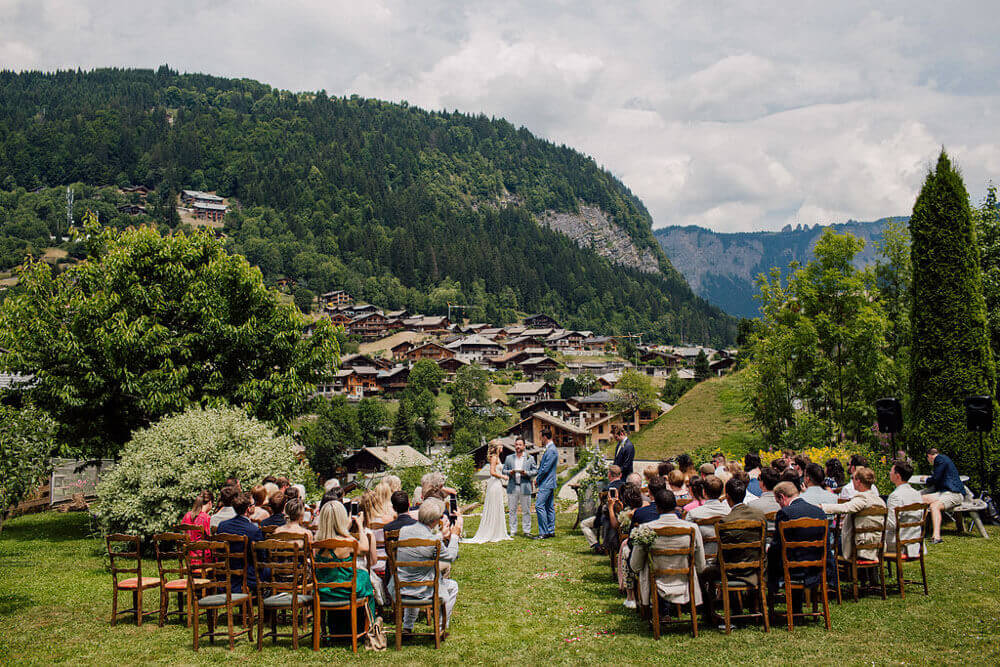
(520, 470)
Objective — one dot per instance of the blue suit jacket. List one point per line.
(945, 476)
(547, 467)
(624, 457)
(526, 476)
(798, 509)
(241, 525)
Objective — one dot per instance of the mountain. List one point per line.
(399, 206)
(723, 268)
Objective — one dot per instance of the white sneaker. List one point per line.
(629, 604)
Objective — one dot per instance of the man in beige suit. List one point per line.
(866, 496)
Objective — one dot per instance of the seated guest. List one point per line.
(815, 493)
(332, 483)
(947, 489)
(259, 510)
(751, 464)
(651, 471)
(706, 469)
(799, 464)
(400, 504)
(865, 496)
(767, 503)
(270, 479)
(634, 478)
(665, 468)
(835, 477)
(381, 508)
(429, 522)
(793, 507)
(686, 466)
(648, 511)
(633, 501)
(226, 511)
(282, 483)
(672, 588)
(696, 489)
(374, 534)
(293, 492)
(395, 484)
(903, 495)
(849, 490)
(335, 524)
(736, 492)
(713, 506)
(294, 510)
(235, 483)
(675, 482)
(242, 525)
(277, 503)
(790, 475)
(199, 516)
(781, 465)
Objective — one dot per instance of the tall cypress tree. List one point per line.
(951, 356)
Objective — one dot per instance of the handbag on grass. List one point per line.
(375, 639)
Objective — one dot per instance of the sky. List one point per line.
(731, 116)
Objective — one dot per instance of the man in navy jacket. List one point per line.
(948, 490)
(241, 525)
(625, 454)
(793, 507)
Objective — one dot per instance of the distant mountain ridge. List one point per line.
(723, 267)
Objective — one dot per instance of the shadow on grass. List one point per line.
(13, 602)
(40, 528)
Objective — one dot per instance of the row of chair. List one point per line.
(202, 572)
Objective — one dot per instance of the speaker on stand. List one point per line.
(889, 412)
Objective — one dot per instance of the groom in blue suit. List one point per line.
(545, 502)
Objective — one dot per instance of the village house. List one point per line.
(399, 350)
(600, 344)
(427, 324)
(393, 380)
(368, 460)
(189, 197)
(359, 360)
(131, 209)
(536, 367)
(568, 438)
(565, 341)
(340, 319)
(523, 343)
(541, 321)
(662, 358)
(562, 408)
(720, 366)
(430, 350)
(369, 325)
(140, 190)
(475, 348)
(529, 392)
(212, 212)
(337, 297)
(512, 359)
(450, 366)
(361, 382)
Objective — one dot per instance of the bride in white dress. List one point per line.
(493, 522)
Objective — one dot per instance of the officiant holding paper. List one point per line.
(520, 469)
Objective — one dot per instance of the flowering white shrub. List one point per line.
(163, 467)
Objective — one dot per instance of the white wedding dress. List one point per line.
(493, 522)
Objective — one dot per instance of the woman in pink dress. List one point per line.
(199, 516)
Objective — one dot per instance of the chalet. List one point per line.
(475, 348)
(691, 353)
(359, 360)
(340, 319)
(399, 350)
(362, 381)
(425, 323)
(479, 453)
(529, 392)
(537, 321)
(398, 314)
(565, 340)
(132, 209)
(197, 196)
(337, 297)
(662, 358)
(496, 333)
(600, 430)
(560, 407)
(393, 380)
(213, 212)
(595, 406)
(514, 330)
(720, 366)
(514, 358)
(432, 351)
(609, 380)
(523, 343)
(474, 328)
(541, 334)
(451, 365)
(370, 325)
(140, 190)
(364, 308)
(567, 437)
(536, 367)
(369, 460)
(600, 344)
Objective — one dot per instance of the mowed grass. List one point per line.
(521, 602)
(709, 414)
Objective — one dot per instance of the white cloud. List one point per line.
(734, 116)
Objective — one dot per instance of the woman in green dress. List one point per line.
(334, 523)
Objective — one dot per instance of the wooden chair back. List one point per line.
(430, 563)
(284, 559)
(237, 558)
(269, 530)
(124, 556)
(170, 555)
(710, 539)
(192, 530)
(320, 564)
(870, 538)
(919, 525)
(218, 552)
(819, 544)
(726, 564)
(684, 554)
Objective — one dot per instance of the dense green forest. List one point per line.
(400, 206)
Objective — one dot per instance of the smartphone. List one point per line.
(454, 504)
(354, 508)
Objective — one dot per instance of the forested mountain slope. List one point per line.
(400, 206)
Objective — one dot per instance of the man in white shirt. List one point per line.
(713, 506)
(903, 495)
(767, 503)
(849, 490)
(672, 588)
(226, 511)
(815, 493)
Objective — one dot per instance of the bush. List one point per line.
(164, 466)
(27, 438)
(459, 471)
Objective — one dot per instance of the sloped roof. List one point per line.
(527, 388)
(395, 456)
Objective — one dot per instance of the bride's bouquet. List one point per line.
(643, 535)
(625, 520)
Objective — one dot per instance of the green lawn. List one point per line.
(523, 602)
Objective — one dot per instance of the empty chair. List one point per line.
(125, 558)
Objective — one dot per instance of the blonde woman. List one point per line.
(493, 522)
(375, 564)
(334, 523)
(395, 484)
(382, 507)
(294, 510)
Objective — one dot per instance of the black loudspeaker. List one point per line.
(890, 415)
(979, 414)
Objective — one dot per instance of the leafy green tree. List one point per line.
(425, 375)
(674, 387)
(569, 387)
(303, 298)
(27, 439)
(634, 391)
(701, 367)
(473, 419)
(950, 354)
(150, 325)
(402, 428)
(586, 383)
(894, 279)
(987, 224)
(331, 436)
(373, 420)
(423, 407)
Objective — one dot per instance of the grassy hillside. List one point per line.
(709, 415)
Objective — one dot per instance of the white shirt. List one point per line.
(849, 491)
(903, 495)
(518, 463)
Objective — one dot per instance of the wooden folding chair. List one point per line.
(899, 556)
(285, 589)
(170, 561)
(321, 563)
(741, 584)
(769, 523)
(269, 530)
(869, 538)
(436, 613)
(391, 537)
(223, 569)
(124, 551)
(792, 584)
(675, 553)
(709, 538)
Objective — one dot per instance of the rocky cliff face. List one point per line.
(592, 228)
(723, 267)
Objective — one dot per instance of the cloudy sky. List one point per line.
(733, 116)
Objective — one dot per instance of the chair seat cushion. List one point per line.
(867, 562)
(285, 600)
(181, 584)
(408, 599)
(220, 599)
(906, 557)
(340, 604)
(739, 583)
(134, 582)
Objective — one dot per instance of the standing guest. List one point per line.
(335, 524)
(835, 477)
(696, 487)
(199, 516)
(793, 507)
(429, 522)
(625, 453)
(401, 505)
(277, 503)
(242, 525)
(815, 493)
(767, 503)
(259, 510)
(226, 511)
(591, 526)
(665, 468)
(672, 588)
(713, 506)
(850, 490)
(520, 470)
(948, 489)
(686, 466)
(751, 464)
(904, 494)
(675, 482)
(865, 496)
(545, 501)
(294, 510)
